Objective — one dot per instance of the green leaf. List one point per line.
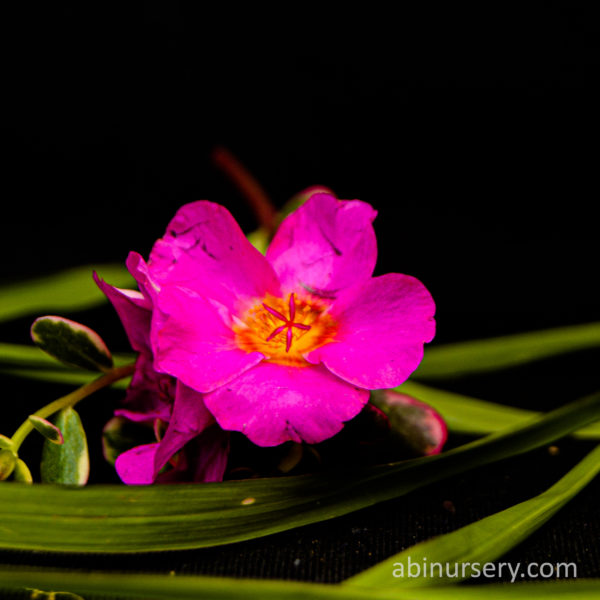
(464, 414)
(8, 461)
(414, 423)
(65, 376)
(120, 435)
(29, 356)
(72, 343)
(22, 472)
(480, 542)
(6, 443)
(42, 595)
(29, 362)
(68, 463)
(260, 239)
(481, 356)
(126, 586)
(73, 289)
(155, 518)
(50, 431)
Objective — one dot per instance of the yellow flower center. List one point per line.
(285, 330)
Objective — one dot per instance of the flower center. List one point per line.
(285, 330)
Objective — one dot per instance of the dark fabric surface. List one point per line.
(472, 133)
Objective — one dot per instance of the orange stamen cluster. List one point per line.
(285, 331)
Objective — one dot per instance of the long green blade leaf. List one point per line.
(481, 542)
(73, 289)
(132, 519)
(481, 356)
(182, 587)
(464, 414)
(29, 362)
(23, 355)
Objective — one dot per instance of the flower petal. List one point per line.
(192, 342)
(190, 417)
(272, 404)
(205, 250)
(149, 393)
(134, 312)
(211, 450)
(382, 327)
(139, 270)
(324, 246)
(136, 466)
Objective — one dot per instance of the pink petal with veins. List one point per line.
(272, 404)
(383, 326)
(325, 245)
(205, 250)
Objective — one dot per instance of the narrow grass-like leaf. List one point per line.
(50, 431)
(480, 542)
(481, 356)
(30, 356)
(464, 414)
(65, 376)
(73, 289)
(153, 518)
(29, 362)
(68, 463)
(461, 413)
(130, 586)
(71, 343)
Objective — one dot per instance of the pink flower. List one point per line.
(279, 347)
(157, 399)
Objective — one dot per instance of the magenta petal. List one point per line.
(134, 312)
(324, 246)
(192, 342)
(136, 466)
(382, 327)
(190, 417)
(139, 270)
(149, 393)
(211, 451)
(205, 250)
(272, 404)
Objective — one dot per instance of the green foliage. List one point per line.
(480, 542)
(69, 290)
(154, 518)
(494, 354)
(67, 463)
(50, 431)
(71, 343)
(130, 586)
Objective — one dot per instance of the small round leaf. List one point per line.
(71, 343)
(22, 472)
(415, 423)
(51, 432)
(8, 460)
(67, 463)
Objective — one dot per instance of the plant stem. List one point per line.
(254, 193)
(71, 399)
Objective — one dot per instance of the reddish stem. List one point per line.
(247, 184)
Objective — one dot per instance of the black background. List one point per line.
(474, 132)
